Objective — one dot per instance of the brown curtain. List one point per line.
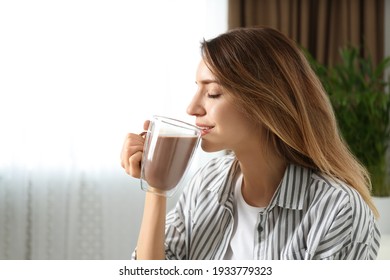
(320, 26)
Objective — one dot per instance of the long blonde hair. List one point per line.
(274, 85)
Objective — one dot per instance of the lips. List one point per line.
(205, 129)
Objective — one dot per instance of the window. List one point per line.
(75, 77)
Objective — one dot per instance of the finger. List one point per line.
(128, 153)
(133, 143)
(134, 167)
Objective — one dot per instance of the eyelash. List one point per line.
(213, 96)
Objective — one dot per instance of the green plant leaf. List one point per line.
(357, 91)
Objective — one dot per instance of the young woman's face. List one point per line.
(223, 126)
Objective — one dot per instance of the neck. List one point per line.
(262, 173)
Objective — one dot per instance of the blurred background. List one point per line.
(76, 76)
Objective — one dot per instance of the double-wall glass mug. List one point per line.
(168, 151)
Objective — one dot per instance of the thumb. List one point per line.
(146, 124)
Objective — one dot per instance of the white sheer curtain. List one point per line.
(75, 77)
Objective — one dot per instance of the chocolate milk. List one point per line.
(169, 161)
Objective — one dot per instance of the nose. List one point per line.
(196, 108)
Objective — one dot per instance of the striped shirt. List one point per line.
(311, 216)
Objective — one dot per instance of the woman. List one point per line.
(289, 189)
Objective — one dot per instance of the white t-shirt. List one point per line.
(242, 242)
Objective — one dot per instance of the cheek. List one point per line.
(236, 125)
(222, 112)
(229, 117)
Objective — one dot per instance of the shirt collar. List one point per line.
(289, 194)
(292, 189)
(224, 179)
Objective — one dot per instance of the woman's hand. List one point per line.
(131, 154)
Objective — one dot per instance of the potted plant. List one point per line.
(359, 93)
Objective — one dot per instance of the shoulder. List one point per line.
(336, 192)
(342, 224)
(341, 204)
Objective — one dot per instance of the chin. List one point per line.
(210, 147)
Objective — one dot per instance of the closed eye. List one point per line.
(213, 96)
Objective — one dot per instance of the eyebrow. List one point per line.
(207, 81)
